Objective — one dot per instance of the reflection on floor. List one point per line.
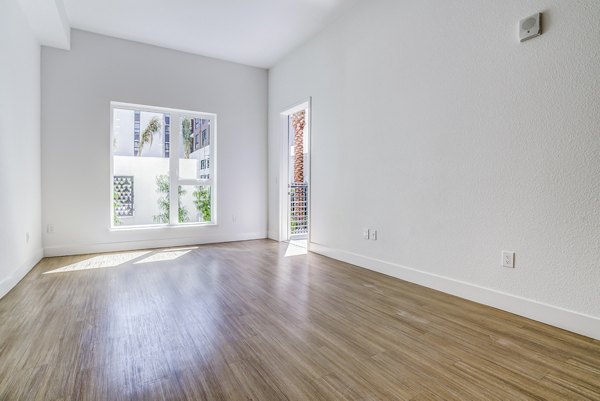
(296, 248)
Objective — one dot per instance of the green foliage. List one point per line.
(147, 135)
(164, 202)
(116, 204)
(182, 211)
(188, 138)
(202, 202)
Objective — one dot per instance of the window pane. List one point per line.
(140, 167)
(194, 149)
(194, 203)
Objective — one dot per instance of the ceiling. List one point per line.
(253, 32)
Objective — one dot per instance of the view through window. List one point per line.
(162, 157)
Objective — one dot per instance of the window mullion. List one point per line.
(213, 169)
(174, 168)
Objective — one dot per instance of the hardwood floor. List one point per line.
(240, 321)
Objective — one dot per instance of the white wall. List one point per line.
(77, 87)
(468, 142)
(20, 205)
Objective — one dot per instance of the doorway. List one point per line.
(296, 209)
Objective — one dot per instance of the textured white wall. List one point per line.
(77, 87)
(434, 125)
(20, 204)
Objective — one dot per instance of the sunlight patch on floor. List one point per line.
(296, 248)
(162, 256)
(101, 261)
(117, 259)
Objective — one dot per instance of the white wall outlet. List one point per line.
(508, 259)
(373, 234)
(366, 233)
(27, 237)
(50, 229)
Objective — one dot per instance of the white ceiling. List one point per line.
(253, 32)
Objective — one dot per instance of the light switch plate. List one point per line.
(530, 27)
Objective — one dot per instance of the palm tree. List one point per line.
(188, 138)
(298, 210)
(298, 122)
(147, 135)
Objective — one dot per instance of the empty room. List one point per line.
(299, 200)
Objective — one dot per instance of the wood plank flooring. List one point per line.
(240, 321)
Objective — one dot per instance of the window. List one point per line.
(161, 157)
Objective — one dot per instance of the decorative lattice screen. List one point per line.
(123, 190)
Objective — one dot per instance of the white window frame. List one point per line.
(176, 116)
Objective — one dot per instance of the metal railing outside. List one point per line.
(298, 209)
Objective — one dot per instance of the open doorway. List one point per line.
(296, 220)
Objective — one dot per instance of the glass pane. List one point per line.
(140, 167)
(194, 203)
(194, 149)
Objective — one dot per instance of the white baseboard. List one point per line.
(9, 282)
(81, 249)
(273, 236)
(553, 315)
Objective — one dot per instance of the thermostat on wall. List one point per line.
(530, 27)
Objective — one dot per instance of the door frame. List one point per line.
(284, 212)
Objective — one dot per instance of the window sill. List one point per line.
(161, 227)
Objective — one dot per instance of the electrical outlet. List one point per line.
(27, 237)
(50, 229)
(373, 234)
(508, 259)
(366, 233)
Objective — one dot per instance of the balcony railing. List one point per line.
(298, 209)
